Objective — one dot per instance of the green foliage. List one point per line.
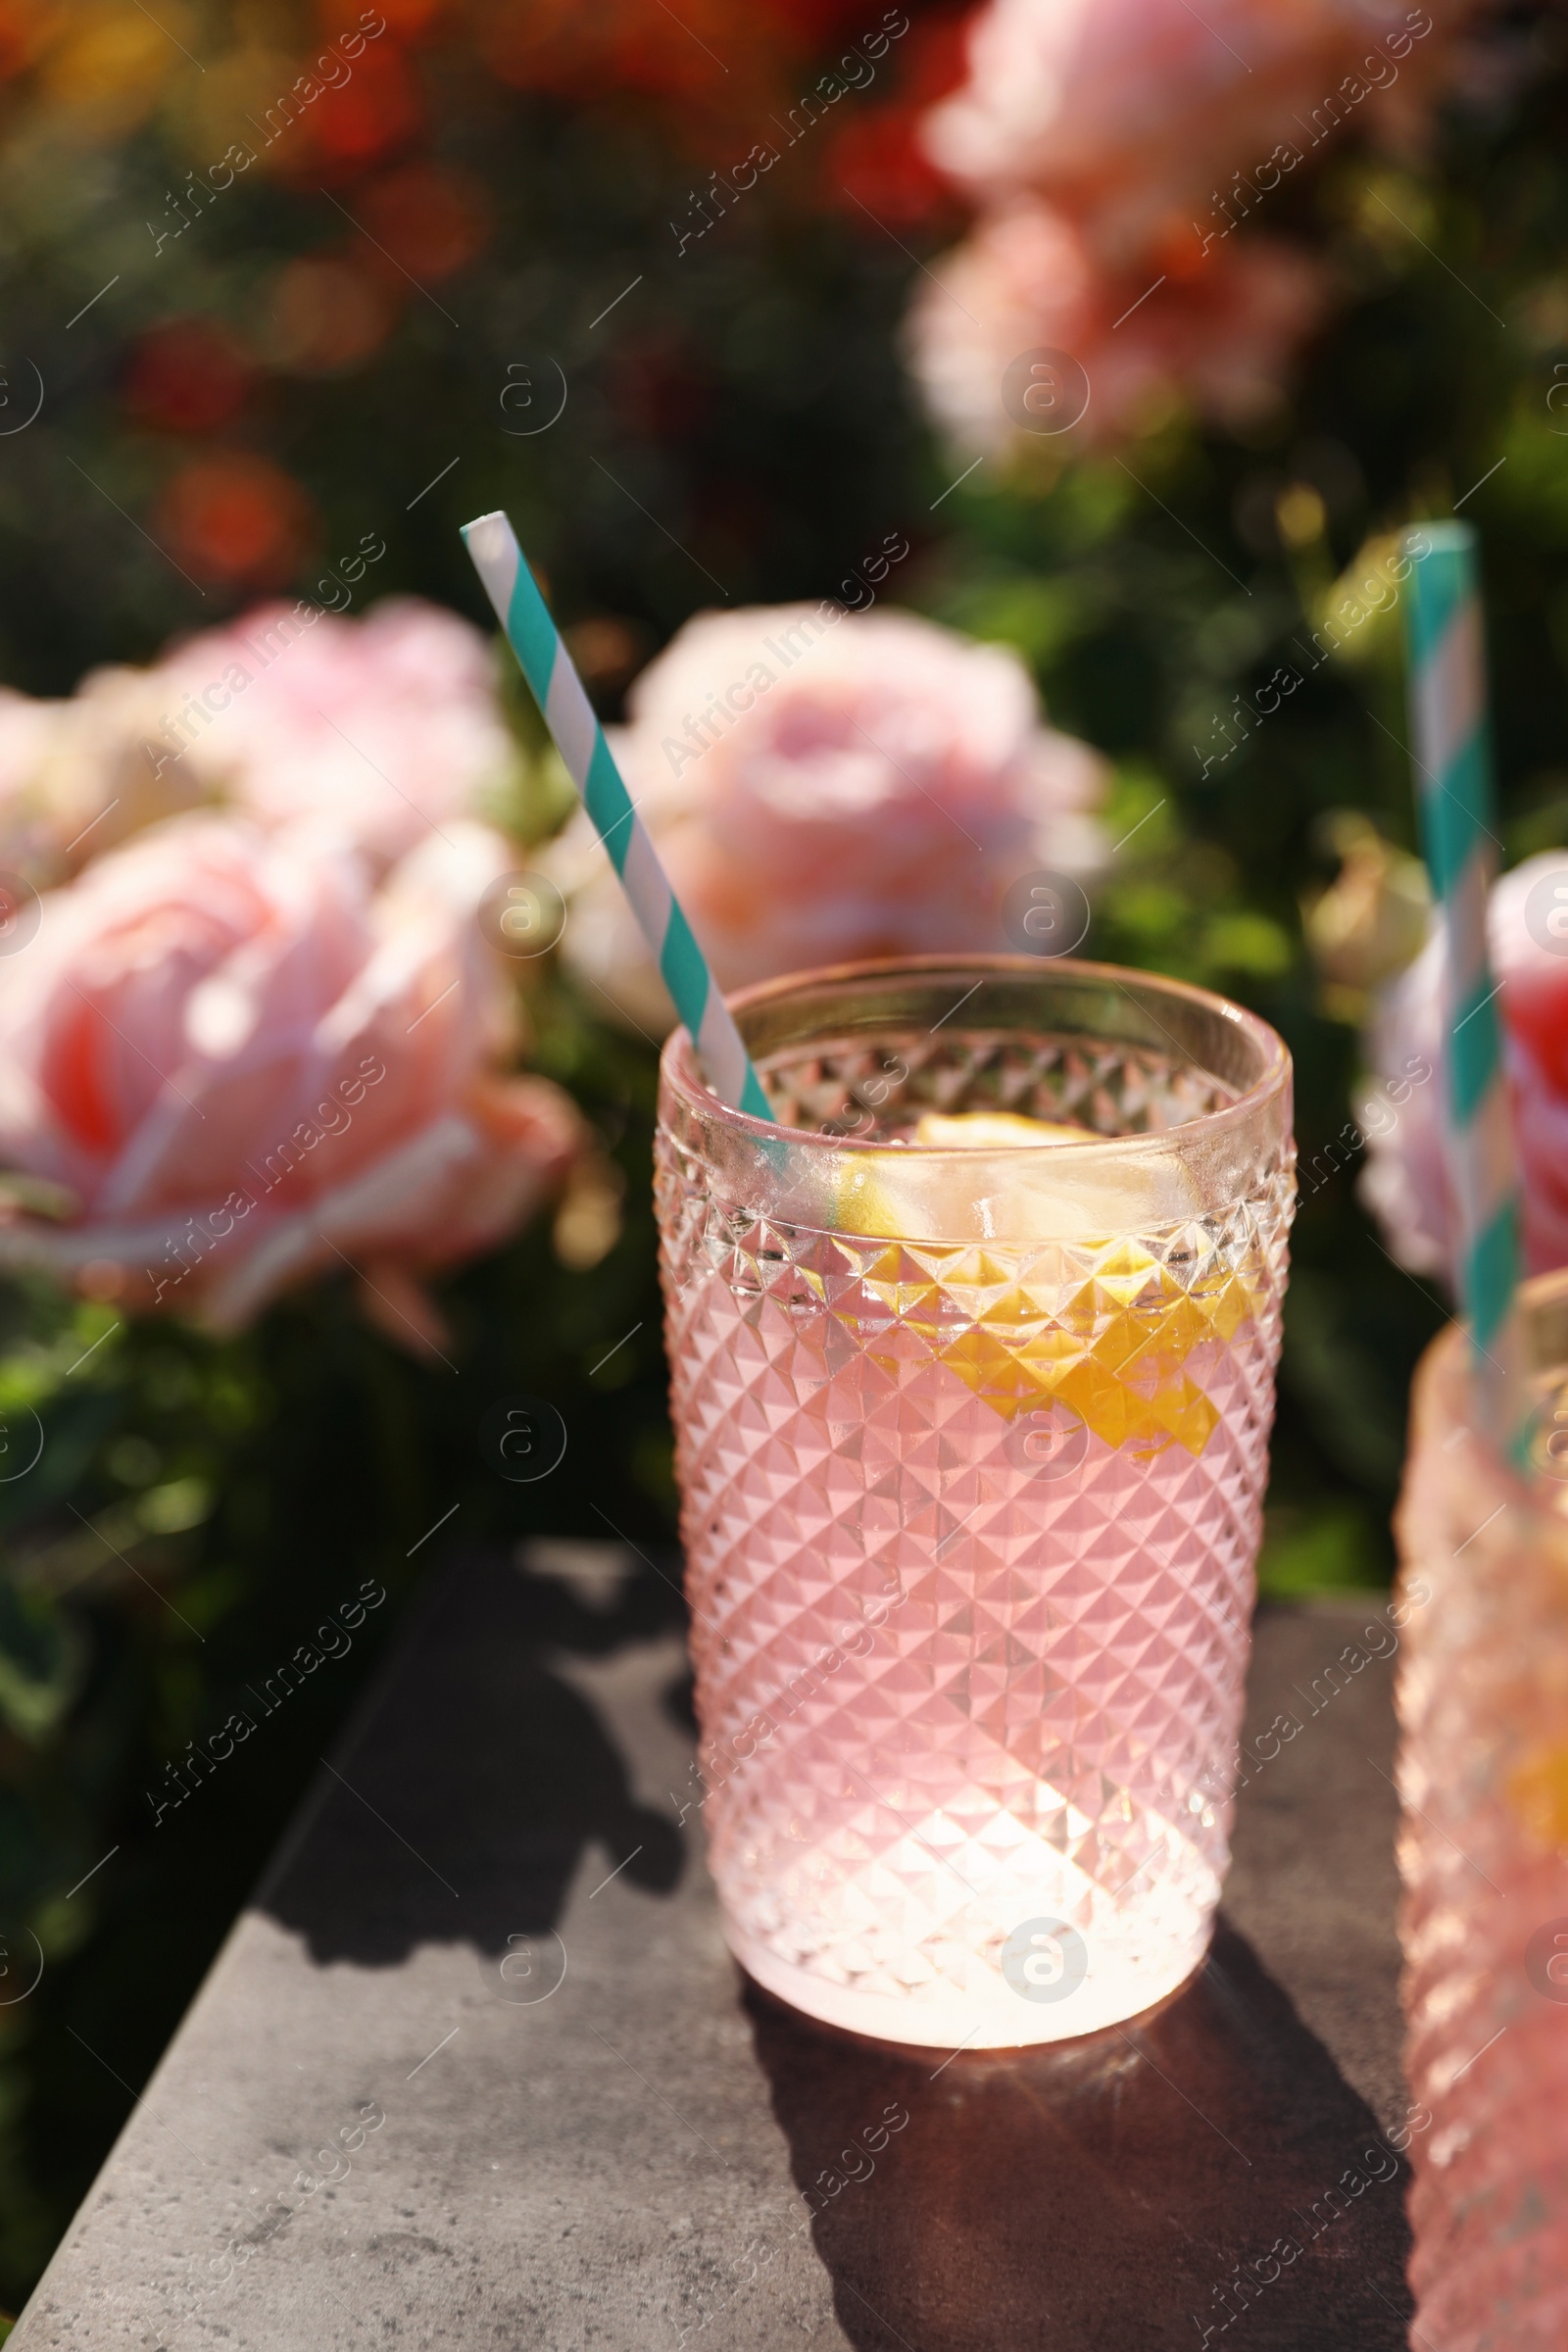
(1310, 1552)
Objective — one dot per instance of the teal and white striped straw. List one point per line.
(568, 714)
(1454, 792)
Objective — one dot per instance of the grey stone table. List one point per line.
(474, 2068)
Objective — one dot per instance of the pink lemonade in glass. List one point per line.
(1483, 1699)
(972, 1419)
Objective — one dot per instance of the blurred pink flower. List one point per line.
(380, 727)
(32, 843)
(823, 785)
(373, 730)
(1221, 335)
(74, 776)
(234, 1062)
(1114, 147)
(1406, 1180)
(1133, 113)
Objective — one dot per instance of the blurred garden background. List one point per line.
(721, 304)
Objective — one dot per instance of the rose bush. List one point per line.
(824, 785)
(1406, 1181)
(1114, 147)
(230, 1060)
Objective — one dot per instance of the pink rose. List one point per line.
(75, 778)
(381, 727)
(823, 785)
(1222, 335)
(1406, 1181)
(375, 729)
(1117, 147)
(1135, 114)
(99, 777)
(243, 1063)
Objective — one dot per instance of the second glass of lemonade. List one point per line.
(973, 1372)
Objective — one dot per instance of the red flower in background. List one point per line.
(878, 162)
(365, 119)
(237, 518)
(187, 375)
(21, 32)
(717, 74)
(817, 22)
(430, 219)
(878, 154)
(571, 51)
(405, 20)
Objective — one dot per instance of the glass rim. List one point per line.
(679, 1070)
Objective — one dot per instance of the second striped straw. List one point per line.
(570, 715)
(1448, 710)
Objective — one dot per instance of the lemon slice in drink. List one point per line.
(994, 1130)
(1110, 1339)
(894, 1200)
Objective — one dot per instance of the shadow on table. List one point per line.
(459, 1804)
(1204, 2169)
(1100, 2193)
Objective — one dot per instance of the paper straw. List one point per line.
(557, 688)
(1448, 713)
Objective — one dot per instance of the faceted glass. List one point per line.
(971, 1446)
(1482, 1697)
